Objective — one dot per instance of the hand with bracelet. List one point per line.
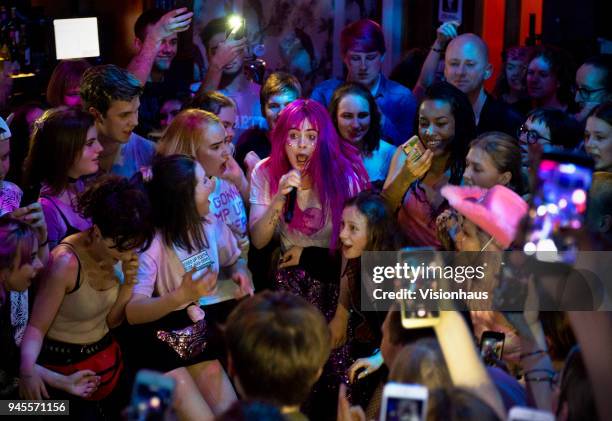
(33, 215)
(446, 32)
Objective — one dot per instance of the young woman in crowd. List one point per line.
(367, 225)
(307, 156)
(357, 120)
(83, 294)
(10, 193)
(445, 128)
(64, 151)
(598, 137)
(487, 220)
(179, 273)
(63, 87)
(511, 85)
(200, 134)
(220, 105)
(550, 77)
(22, 236)
(494, 158)
(548, 128)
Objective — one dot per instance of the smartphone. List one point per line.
(414, 148)
(559, 202)
(152, 396)
(492, 344)
(521, 413)
(417, 313)
(403, 402)
(416, 316)
(236, 27)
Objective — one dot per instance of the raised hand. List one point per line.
(129, 265)
(289, 181)
(177, 20)
(364, 366)
(227, 51)
(446, 32)
(33, 215)
(420, 167)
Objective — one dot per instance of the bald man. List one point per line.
(466, 66)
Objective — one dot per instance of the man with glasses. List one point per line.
(593, 84)
(550, 129)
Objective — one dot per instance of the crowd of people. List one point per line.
(215, 235)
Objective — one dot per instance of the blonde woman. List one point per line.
(201, 134)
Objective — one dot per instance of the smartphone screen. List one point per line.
(519, 413)
(492, 344)
(403, 409)
(560, 200)
(414, 148)
(417, 313)
(152, 396)
(403, 402)
(236, 28)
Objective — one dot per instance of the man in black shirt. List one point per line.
(467, 67)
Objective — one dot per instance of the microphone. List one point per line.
(290, 205)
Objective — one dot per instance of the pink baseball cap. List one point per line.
(497, 211)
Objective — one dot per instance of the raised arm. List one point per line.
(446, 32)
(129, 266)
(400, 179)
(226, 52)
(464, 365)
(174, 21)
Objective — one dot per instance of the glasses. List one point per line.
(531, 135)
(586, 92)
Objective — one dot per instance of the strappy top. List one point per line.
(62, 220)
(81, 317)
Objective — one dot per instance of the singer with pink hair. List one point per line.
(298, 193)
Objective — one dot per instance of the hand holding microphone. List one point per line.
(287, 186)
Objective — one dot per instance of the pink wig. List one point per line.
(337, 171)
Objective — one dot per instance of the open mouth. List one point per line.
(302, 158)
(433, 144)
